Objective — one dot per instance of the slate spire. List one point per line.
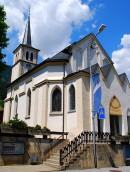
(27, 33)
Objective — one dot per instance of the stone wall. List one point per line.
(108, 155)
(33, 150)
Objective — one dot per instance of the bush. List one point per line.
(37, 127)
(5, 124)
(15, 123)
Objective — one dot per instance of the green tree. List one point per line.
(3, 37)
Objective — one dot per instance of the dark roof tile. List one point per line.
(106, 70)
(122, 77)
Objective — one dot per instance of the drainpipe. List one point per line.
(63, 98)
(10, 104)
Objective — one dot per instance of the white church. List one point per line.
(56, 93)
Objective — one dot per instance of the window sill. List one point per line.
(71, 111)
(56, 113)
(27, 117)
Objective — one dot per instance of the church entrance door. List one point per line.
(115, 116)
(114, 124)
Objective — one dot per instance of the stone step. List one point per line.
(55, 166)
(57, 153)
(55, 157)
(53, 161)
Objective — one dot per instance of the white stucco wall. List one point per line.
(70, 115)
(112, 87)
(41, 103)
(81, 55)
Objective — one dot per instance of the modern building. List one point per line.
(56, 93)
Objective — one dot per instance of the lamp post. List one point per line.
(102, 27)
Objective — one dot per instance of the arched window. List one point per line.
(31, 57)
(16, 105)
(72, 97)
(28, 102)
(27, 55)
(56, 100)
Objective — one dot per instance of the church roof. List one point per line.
(93, 68)
(27, 33)
(45, 62)
(122, 77)
(28, 46)
(61, 55)
(106, 70)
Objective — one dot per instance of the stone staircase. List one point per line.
(79, 154)
(72, 162)
(54, 160)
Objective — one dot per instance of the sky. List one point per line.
(57, 23)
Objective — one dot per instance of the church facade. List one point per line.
(56, 93)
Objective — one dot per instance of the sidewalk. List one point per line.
(45, 168)
(108, 169)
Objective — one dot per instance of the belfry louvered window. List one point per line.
(56, 100)
(31, 57)
(72, 97)
(27, 55)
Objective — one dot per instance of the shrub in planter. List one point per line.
(17, 123)
(4, 124)
(37, 127)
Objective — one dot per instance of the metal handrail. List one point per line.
(54, 142)
(83, 138)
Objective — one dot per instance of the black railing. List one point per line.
(55, 142)
(83, 138)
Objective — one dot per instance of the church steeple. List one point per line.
(25, 56)
(27, 33)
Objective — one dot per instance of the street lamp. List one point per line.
(102, 27)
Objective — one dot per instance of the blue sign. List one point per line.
(97, 93)
(101, 113)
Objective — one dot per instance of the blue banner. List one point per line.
(96, 93)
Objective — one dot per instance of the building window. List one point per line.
(16, 105)
(72, 97)
(56, 100)
(27, 55)
(31, 57)
(28, 102)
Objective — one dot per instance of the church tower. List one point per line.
(25, 56)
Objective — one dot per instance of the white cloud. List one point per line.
(51, 21)
(121, 57)
(94, 25)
